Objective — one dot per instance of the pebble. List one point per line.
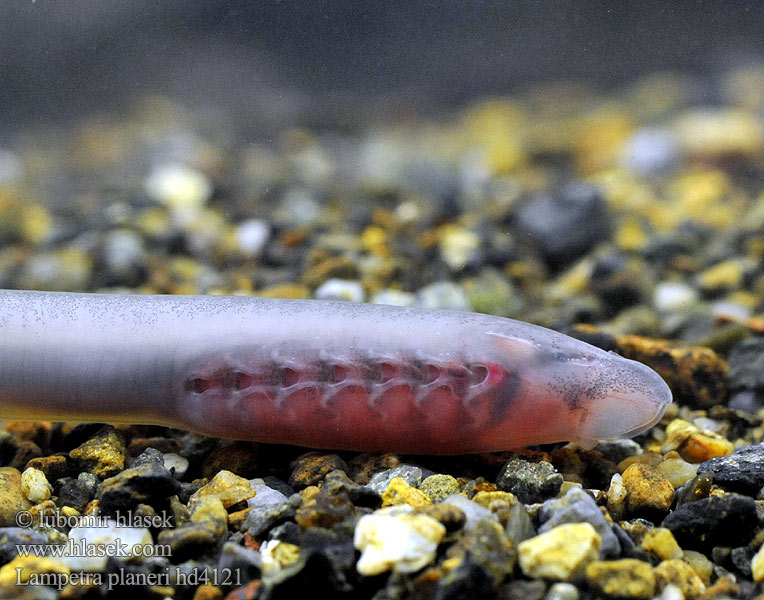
(443, 294)
(625, 578)
(561, 553)
(561, 591)
(123, 255)
(265, 496)
(567, 224)
(400, 492)
(494, 500)
(180, 188)
(487, 547)
(493, 294)
(227, 487)
(678, 573)
(438, 486)
(458, 246)
(674, 296)
(677, 470)
(69, 269)
(722, 132)
(103, 454)
(76, 493)
(10, 537)
(176, 464)
(410, 474)
(757, 565)
(473, 512)
(393, 298)
(242, 458)
(55, 466)
(648, 492)
(340, 289)
(715, 521)
(722, 277)
(21, 569)
(519, 526)
(324, 507)
(576, 506)
(277, 555)
(84, 539)
(742, 471)
(203, 532)
(12, 497)
(746, 360)
(252, 235)
(394, 539)
(145, 482)
(242, 562)
(661, 542)
(520, 589)
(529, 481)
(261, 519)
(311, 468)
(650, 151)
(35, 486)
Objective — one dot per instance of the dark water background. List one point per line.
(277, 59)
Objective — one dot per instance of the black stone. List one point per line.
(728, 520)
(747, 365)
(73, 492)
(742, 471)
(566, 224)
(146, 482)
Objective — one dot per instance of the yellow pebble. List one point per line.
(400, 492)
(680, 574)
(661, 542)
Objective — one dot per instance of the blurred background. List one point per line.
(276, 60)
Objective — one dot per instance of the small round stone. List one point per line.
(561, 553)
(340, 289)
(35, 485)
(394, 539)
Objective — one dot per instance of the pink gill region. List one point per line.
(371, 404)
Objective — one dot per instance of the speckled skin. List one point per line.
(320, 374)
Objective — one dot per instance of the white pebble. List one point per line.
(730, 310)
(180, 188)
(252, 236)
(340, 289)
(264, 496)
(443, 294)
(473, 511)
(651, 150)
(562, 591)
(176, 464)
(671, 296)
(393, 298)
(394, 539)
(35, 486)
(90, 547)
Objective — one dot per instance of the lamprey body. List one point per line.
(319, 374)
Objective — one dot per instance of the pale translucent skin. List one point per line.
(319, 374)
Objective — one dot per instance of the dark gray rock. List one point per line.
(742, 471)
(565, 224)
(747, 365)
(529, 481)
(728, 520)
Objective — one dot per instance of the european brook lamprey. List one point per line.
(320, 374)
